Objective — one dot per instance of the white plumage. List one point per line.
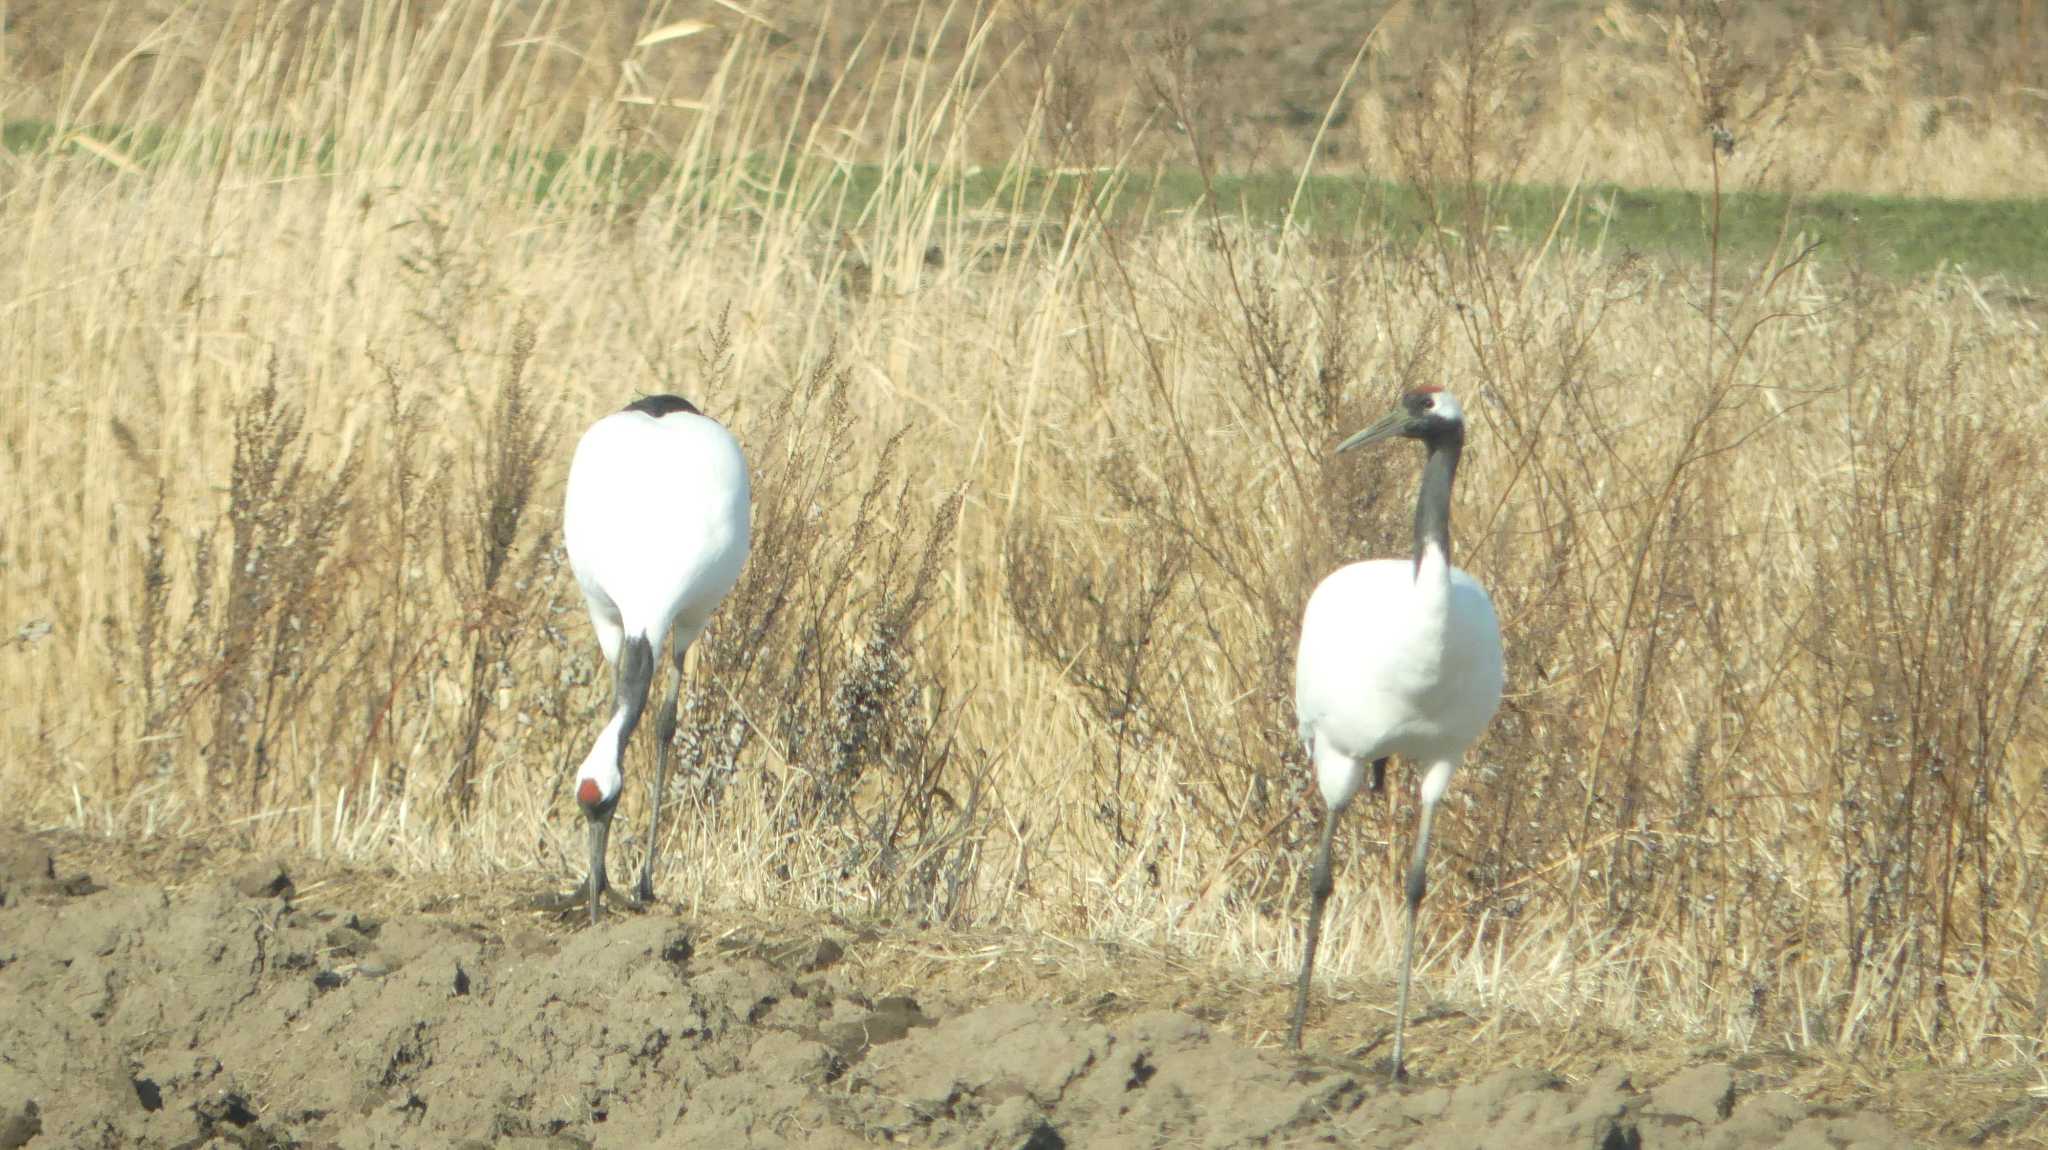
(656, 521)
(1393, 661)
(1397, 657)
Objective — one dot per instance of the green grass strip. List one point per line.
(1892, 236)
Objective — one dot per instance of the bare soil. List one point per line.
(184, 995)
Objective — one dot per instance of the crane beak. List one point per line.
(1390, 424)
(600, 828)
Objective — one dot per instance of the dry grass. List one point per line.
(1947, 102)
(1891, 97)
(1038, 500)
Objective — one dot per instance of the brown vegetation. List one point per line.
(1902, 97)
(1039, 497)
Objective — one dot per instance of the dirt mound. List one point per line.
(219, 1012)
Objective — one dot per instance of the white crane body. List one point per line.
(657, 524)
(1397, 658)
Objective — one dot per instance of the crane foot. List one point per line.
(576, 903)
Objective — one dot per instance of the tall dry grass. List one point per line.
(292, 378)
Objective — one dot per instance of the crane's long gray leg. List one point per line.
(1319, 887)
(1433, 787)
(664, 735)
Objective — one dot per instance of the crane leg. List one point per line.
(1319, 886)
(664, 735)
(1433, 786)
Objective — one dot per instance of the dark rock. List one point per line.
(149, 1094)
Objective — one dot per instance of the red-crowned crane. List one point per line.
(657, 524)
(1398, 657)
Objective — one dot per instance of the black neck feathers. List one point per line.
(1433, 502)
(630, 684)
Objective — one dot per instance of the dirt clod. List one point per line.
(1703, 1094)
(266, 879)
(21, 1126)
(25, 861)
(827, 954)
(28, 870)
(889, 1021)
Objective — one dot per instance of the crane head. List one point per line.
(1430, 414)
(597, 792)
(599, 781)
(596, 799)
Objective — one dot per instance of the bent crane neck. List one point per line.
(1433, 504)
(634, 675)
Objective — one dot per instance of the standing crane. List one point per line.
(1398, 657)
(657, 525)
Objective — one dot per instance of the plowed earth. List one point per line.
(182, 996)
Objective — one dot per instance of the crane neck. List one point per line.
(635, 675)
(1433, 501)
(599, 779)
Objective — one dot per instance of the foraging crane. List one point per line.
(1398, 657)
(657, 524)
